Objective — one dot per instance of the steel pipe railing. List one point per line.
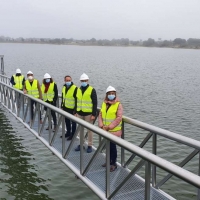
(151, 160)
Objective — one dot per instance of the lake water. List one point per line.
(156, 86)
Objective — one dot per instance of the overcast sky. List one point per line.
(101, 19)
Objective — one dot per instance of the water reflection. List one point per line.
(18, 177)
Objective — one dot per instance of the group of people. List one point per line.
(79, 101)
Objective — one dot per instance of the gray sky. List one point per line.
(101, 19)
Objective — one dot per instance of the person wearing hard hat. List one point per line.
(110, 119)
(68, 104)
(50, 95)
(18, 80)
(86, 106)
(32, 87)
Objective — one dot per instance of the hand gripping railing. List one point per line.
(9, 98)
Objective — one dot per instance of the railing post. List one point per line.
(1, 94)
(63, 135)
(49, 124)
(22, 104)
(198, 190)
(154, 151)
(147, 180)
(122, 149)
(39, 117)
(81, 149)
(30, 110)
(107, 168)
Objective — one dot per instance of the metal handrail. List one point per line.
(147, 156)
(165, 133)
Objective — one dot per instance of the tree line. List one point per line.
(176, 43)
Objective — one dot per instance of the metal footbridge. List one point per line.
(123, 183)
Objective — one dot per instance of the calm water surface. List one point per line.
(156, 86)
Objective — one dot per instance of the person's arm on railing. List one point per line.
(24, 89)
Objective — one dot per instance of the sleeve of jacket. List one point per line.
(61, 104)
(55, 94)
(75, 98)
(23, 81)
(12, 80)
(100, 120)
(94, 102)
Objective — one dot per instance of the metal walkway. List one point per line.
(123, 183)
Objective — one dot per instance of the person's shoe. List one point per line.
(77, 148)
(47, 128)
(89, 149)
(70, 137)
(113, 168)
(66, 135)
(30, 122)
(104, 165)
(54, 129)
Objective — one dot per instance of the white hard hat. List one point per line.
(47, 75)
(84, 77)
(110, 88)
(18, 71)
(29, 72)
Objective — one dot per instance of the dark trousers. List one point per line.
(53, 114)
(113, 153)
(33, 104)
(70, 126)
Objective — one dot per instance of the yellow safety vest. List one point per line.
(18, 82)
(49, 95)
(68, 98)
(84, 101)
(32, 89)
(110, 115)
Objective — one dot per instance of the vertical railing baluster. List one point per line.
(22, 105)
(63, 135)
(39, 117)
(81, 149)
(147, 180)
(30, 117)
(154, 151)
(122, 149)
(49, 124)
(198, 190)
(107, 168)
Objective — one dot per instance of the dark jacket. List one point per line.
(12, 81)
(94, 102)
(69, 110)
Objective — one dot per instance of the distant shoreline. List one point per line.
(89, 44)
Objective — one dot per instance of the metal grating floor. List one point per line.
(134, 188)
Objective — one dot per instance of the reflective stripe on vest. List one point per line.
(18, 82)
(68, 98)
(110, 115)
(49, 95)
(84, 101)
(32, 89)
